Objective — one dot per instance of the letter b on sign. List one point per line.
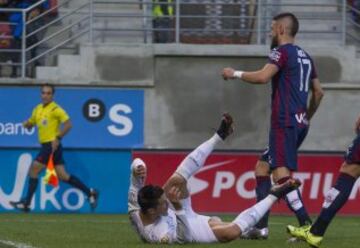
(94, 110)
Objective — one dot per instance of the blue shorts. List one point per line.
(352, 155)
(283, 147)
(45, 152)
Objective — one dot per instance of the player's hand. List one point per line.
(55, 145)
(357, 126)
(174, 195)
(27, 125)
(228, 73)
(140, 171)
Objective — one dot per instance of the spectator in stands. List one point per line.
(17, 30)
(4, 15)
(163, 13)
(3, 19)
(5, 35)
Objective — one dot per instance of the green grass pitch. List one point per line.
(114, 231)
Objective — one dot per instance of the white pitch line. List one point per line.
(15, 244)
(65, 221)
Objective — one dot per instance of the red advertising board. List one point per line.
(226, 183)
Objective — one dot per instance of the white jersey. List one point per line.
(176, 227)
(163, 230)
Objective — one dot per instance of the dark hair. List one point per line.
(294, 21)
(50, 86)
(148, 197)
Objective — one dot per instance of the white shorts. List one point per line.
(200, 229)
(199, 224)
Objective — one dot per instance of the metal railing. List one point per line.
(193, 21)
(352, 26)
(225, 20)
(30, 36)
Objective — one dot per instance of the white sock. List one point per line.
(196, 159)
(249, 217)
(294, 200)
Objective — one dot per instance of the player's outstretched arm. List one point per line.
(316, 96)
(262, 76)
(137, 180)
(183, 233)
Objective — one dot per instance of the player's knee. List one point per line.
(227, 233)
(33, 173)
(351, 169)
(281, 173)
(228, 236)
(177, 181)
(262, 168)
(62, 175)
(35, 169)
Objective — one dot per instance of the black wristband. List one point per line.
(58, 138)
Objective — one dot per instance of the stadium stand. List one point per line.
(81, 22)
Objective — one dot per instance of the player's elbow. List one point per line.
(68, 125)
(263, 80)
(263, 77)
(319, 94)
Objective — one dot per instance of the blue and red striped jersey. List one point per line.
(290, 85)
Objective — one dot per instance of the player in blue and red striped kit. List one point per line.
(293, 74)
(336, 197)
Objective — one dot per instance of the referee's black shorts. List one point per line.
(45, 152)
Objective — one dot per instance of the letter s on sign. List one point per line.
(124, 121)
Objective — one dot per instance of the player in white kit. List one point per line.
(164, 214)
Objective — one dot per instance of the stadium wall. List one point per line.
(134, 64)
(189, 96)
(185, 95)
